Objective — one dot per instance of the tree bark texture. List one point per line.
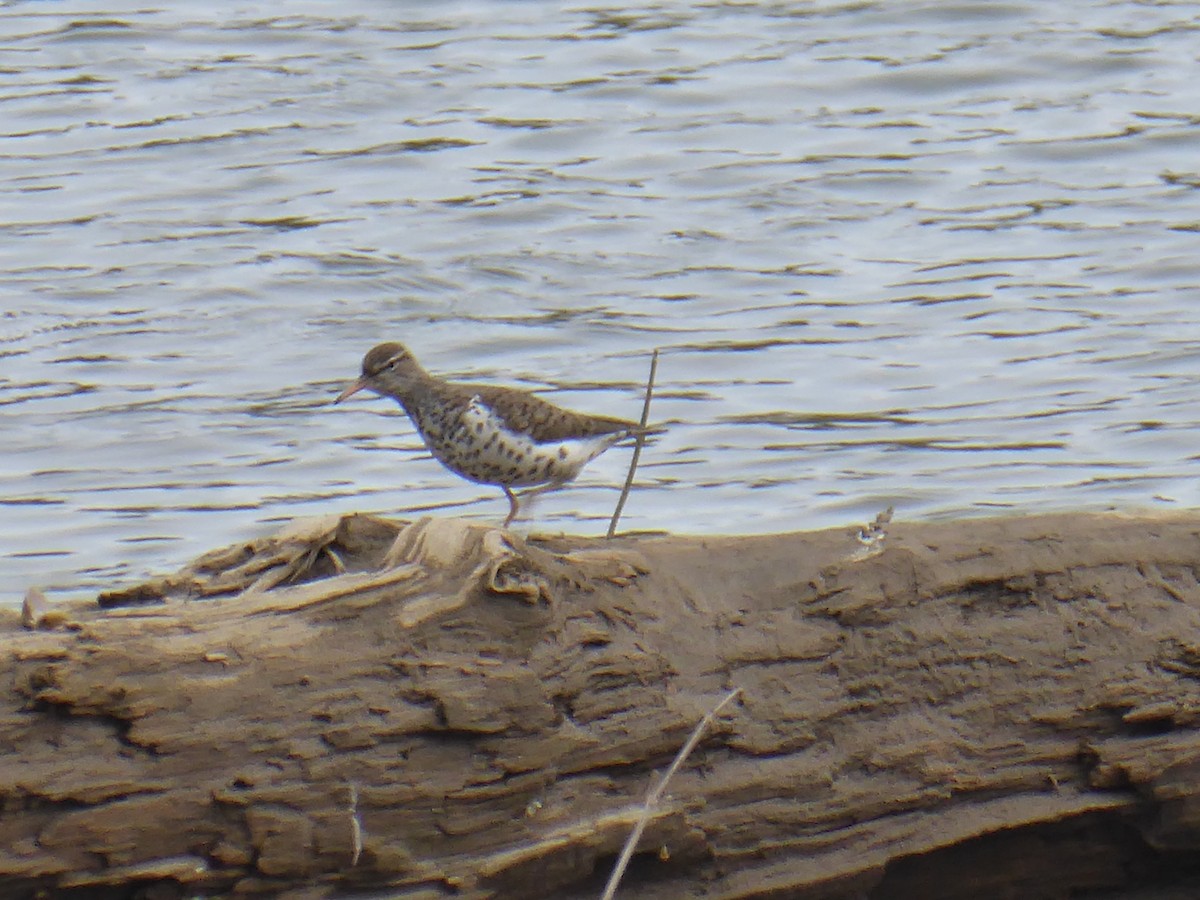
(1002, 707)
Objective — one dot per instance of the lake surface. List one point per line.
(941, 256)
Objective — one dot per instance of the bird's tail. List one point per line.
(648, 432)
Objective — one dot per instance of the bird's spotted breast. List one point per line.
(471, 440)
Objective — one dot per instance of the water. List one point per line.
(941, 256)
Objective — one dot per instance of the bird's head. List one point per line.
(387, 369)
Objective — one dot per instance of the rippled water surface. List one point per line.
(938, 255)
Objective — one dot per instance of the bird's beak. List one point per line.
(353, 389)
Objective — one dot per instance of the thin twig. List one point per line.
(355, 827)
(637, 447)
(655, 794)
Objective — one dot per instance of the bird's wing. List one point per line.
(541, 419)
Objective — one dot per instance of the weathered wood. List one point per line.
(1001, 707)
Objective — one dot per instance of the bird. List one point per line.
(489, 434)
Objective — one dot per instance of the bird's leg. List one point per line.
(513, 505)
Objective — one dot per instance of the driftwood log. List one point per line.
(992, 708)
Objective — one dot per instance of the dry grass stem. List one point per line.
(355, 827)
(655, 794)
(637, 448)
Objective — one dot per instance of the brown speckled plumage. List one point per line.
(489, 434)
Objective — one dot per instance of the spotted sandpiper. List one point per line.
(490, 434)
